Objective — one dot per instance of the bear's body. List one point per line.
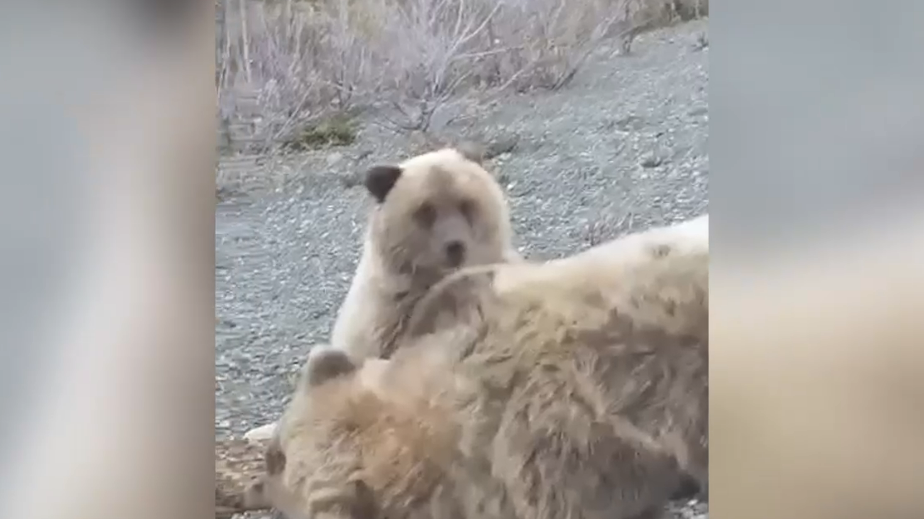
(561, 392)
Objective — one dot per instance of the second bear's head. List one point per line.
(326, 408)
(437, 212)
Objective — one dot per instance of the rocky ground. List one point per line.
(623, 147)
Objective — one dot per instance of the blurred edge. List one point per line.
(817, 380)
(125, 428)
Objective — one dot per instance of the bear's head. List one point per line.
(437, 212)
(329, 388)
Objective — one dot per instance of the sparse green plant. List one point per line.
(337, 130)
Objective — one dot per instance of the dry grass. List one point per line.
(287, 65)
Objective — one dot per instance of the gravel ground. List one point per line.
(623, 147)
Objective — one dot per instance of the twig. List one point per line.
(245, 43)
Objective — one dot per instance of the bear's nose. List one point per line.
(455, 252)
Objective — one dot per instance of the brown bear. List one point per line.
(568, 393)
(657, 280)
(449, 297)
(357, 441)
(434, 213)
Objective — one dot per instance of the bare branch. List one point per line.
(280, 64)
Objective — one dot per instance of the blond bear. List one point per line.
(433, 214)
(570, 394)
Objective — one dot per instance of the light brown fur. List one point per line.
(575, 394)
(423, 206)
(363, 444)
(404, 251)
(576, 370)
(449, 300)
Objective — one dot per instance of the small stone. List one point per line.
(472, 150)
(701, 43)
(350, 179)
(702, 110)
(503, 145)
(630, 123)
(651, 161)
(260, 434)
(334, 158)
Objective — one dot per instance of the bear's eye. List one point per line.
(467, 208)
(425, 215)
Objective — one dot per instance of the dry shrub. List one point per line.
(288, 63)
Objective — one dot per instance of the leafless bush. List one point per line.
(284, 64)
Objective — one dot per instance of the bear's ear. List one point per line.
(380, 180)
(326, 363)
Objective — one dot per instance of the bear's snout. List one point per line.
(455, 253)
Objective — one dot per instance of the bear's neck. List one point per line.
(403, 283)
(398, 280)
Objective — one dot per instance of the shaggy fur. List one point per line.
(434, 213)
(563, 393)
(449, 301)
